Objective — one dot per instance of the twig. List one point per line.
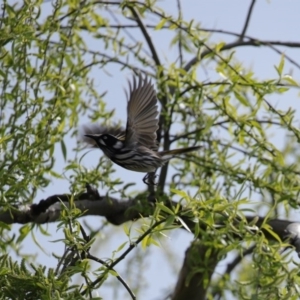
(127, 32)
(146, 35)
(186, 135)
(125, 253)
(247, 20)
(118, 276)
(180, 34)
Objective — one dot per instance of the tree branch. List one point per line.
(180, 34)
(117, 211)
(118, 276)
(146, 35)
(90, 203)
(192, 282)
(195, 273)
(124, 254)
(247, 20)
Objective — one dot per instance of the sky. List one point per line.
(271, 20)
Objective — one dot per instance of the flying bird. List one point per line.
(135, 148)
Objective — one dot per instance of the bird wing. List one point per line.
(142, 121)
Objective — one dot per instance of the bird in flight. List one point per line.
(136, 148)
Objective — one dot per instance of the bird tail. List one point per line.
(171, 153)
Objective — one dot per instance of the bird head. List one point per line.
(106, 142)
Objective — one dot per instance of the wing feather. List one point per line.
(142, 111)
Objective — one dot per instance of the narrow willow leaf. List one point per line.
(290, 80)
(161, 24)
(241, 98)
(63, 149)
(183, 224)
(281, 65)
(271, 232)
(165, 208)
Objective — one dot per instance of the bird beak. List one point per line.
(92, 136)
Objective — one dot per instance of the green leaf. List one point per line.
(24, 231)
(113, 273)
(164, 208)
(148, 241)
(219, 46)
(290, 80)
(183, 224)
(5, 226)
(241, 98)
(170, 221)
(161, 24)
(281, 65)
(180, 193)
(268, 228)
(126, 230)
(63, 149)
(121, 246)
(5, 138)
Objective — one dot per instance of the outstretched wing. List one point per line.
(142, 121)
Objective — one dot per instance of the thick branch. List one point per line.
(116, 211)
(90, 203)
(195, 287)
